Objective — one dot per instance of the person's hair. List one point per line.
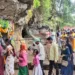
(37, 52)
(51, 30)
(6, 40)
(49, 38)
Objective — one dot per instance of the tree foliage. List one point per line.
(65, 10)
(58, 12)
(46, 6)
(36, 3)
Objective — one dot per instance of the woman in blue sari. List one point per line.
(71, 55)
(65, 54)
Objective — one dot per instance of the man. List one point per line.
(41, 52)
(53, 57)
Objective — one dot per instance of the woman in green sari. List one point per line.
(23, 61)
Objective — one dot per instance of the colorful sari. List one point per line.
(67, 70)
(73, 44)
(23, 70)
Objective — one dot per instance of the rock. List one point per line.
(21, 21)
(8, 9)
(24, 1)
(15, 1)
(2, 7)
(11, 8)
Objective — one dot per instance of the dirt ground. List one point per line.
(30, 72)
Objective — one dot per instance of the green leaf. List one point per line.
(36, 3)
(4, 23)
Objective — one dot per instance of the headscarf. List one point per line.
(9, 47)
(37, 40)
(23, 47)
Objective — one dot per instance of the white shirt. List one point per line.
(41, 51)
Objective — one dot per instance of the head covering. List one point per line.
(9, 47)
(23, 47)
(37, 40)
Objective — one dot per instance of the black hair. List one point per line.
(6, 40)
(49, 38)
(37, 52)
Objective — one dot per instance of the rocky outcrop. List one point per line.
(7, 9)
(14, 9)
(19, 11)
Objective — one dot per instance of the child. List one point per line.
(37, 68)
(9, 65)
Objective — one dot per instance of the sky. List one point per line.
(73, 1)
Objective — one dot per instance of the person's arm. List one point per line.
(3, 43)
(21, 58)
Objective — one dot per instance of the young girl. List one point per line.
(9, 64)
(37, 68)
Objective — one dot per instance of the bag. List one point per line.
(64, 63)
(60, 61)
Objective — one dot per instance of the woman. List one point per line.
(23, 61)
(72, 34)
(68, 43)
(65, 54)
(1, 62)
(64, 35)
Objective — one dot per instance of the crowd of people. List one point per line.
(60, 46)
